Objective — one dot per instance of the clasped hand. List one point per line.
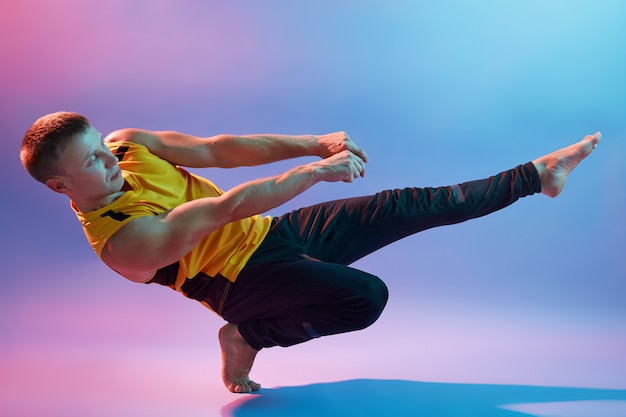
(343, 159)
(333, 143)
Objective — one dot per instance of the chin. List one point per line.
(117, 182)
(117, 187)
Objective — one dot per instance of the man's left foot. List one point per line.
(554, 167)
(237, 359)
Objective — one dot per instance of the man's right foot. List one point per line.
(237, 359)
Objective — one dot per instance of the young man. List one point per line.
(276, 281)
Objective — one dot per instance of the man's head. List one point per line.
(65, 152)
(45, 141)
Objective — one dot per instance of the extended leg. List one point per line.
(345, 230)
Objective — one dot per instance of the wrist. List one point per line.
(316, 148)
(312, 171)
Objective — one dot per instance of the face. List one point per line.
(90, 175)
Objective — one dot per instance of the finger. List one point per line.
(358, 151)
(358, 167)
(361, 165)
(351, 146)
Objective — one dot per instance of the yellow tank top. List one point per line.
(157, 186)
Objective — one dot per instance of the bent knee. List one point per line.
(370, 302)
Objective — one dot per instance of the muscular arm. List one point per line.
(149, 243)
(228, 151)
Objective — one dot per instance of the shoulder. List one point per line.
(132, 135)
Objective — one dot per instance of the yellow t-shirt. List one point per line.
(157, 186)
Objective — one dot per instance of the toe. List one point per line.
(243, 387)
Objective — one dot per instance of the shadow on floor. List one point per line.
(364, 398)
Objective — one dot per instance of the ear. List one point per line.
(56, 185)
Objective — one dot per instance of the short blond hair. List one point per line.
(46, 139)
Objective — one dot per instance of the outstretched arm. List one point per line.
(152, 242)
(229, 151)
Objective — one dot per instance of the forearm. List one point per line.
(259, 196)
(259, 149)
(201, 217)
(263, 149)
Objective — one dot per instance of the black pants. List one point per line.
(297, 286)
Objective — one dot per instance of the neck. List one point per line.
(85, 206)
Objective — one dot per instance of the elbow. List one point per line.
(235, 209)
(220, 149)
(228, 207)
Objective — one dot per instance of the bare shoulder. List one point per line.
(175, 147)
(133, 135)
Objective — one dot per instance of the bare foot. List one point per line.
(554, 167)
(237, 360)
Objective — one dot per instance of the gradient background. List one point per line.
(437, 93)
